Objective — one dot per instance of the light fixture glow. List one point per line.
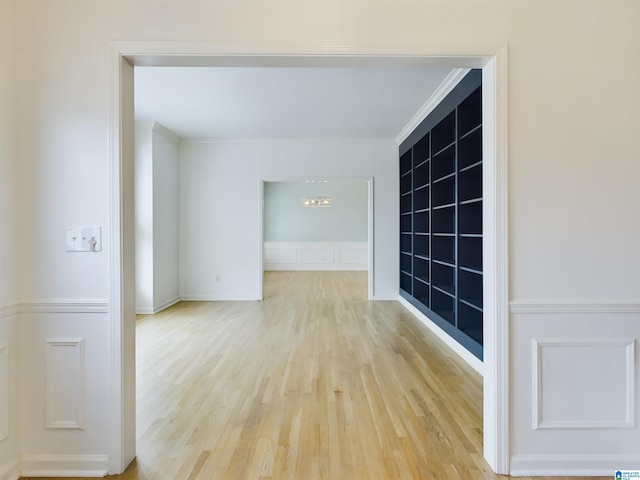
(317, 201)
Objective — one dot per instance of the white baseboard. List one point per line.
(64, 465)
(158, 308)
(572, 465)
(10, 471)
(462, 352)
(216, 298)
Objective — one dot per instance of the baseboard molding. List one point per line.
(572, 465)
(10, 471)
(158, 308)
(462, 352)
(64, 465)
(216, 298)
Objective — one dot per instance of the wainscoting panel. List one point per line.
(576, 412)
(65, 392)
(581, 383)
(64, 367)
(334, 256)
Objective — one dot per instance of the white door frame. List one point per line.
(122, 57)
(370, 238)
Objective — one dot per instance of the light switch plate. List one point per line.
(84, 239)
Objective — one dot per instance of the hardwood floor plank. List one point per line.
(314, 382)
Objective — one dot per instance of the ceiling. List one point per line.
(284, 102)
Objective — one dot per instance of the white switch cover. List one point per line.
(84, 239)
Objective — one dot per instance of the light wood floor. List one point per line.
(313, 382)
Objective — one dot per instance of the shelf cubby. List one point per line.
(421, 245)
(421, 269)
(444, 192)
(405, 243)
(405, 282)
(470, 149)
(443, 220)
(441, 215)
(421, 151)
(470, 253)
(421, 291)
(443, 248)
(421, 199)
(444, 163)
(470, 321)
(470, 218)
(406, 203)
(421, 222)
(470, 183)
(406, 225)
(406, 263)
(444, 133)
(470, 288)
(470, 112)
(421, 175)
(443, 305)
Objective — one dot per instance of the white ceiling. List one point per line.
(283, 102)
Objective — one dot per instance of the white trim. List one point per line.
(335, 252)
(158, 308)
(537, 344)
(166, 133)
(52, 382)
(496, 358)
(286, 141)
(462, 352)
(550, 307)
(572, 465)
(494, 66)
(215, 298)
(64, 306)
(64, 465)
(10, 471)
(444, 89)
(9, 310)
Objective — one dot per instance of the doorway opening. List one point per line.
(299, 237)
(124, 56)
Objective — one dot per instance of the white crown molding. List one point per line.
(64, 306)
(550, 307)
(288, 141)
(447, 85)
(165, 132)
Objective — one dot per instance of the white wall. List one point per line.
(9, 267)
(573, 176)
(220, 203)
(285, 220)
(156, 218)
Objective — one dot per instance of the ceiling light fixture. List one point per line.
(317, 200)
